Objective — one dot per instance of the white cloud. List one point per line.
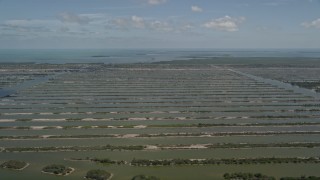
(124, 23)
(29, 26)
(67, 17)
(186, 27)
(156, 2)
(27, 29)
(312, 24)
(271, 4)
(118, 23)
(161, 26)
(138, 22)
(196, 9)
(46, 28)
(99, 25)
(226, 23)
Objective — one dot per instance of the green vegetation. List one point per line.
(172, 162)
(24, 120)
(161, 147)
(144, 177)
(311, 105)
(199, 125)
(73, 119)
(15, 165)
(73, 148)
(57, 169)
(107, 161)
(245, 124)
(59, 136)
(315, 85)
(244, 145)
(259, 176)
(228, 134)
(162, 135)
(252, 62)
(283, 117)
(251, 145)
(247, 176)
(301, 178)
(98, 174)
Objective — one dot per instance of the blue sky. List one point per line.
(159, 24)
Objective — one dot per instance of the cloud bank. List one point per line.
(227, 23)
(156, 2)
(196, 9)
(312, 24)
(73, 18)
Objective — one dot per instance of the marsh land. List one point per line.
(210, 117)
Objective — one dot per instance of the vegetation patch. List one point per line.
(14, 165)
(301, 178)
(259, 176)
(57, 170)
(313, 85)
(228, 134)
(97, 174)
(173, 162)
(107, 161)
(199, 125)
(247, 176)
(159, 147)
(72, 148)
(144, 177)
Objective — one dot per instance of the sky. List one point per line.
(60, 24)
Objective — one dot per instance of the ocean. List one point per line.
(114, 56)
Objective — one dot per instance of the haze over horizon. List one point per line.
(159, 24)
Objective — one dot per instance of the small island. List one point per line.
(144, 177)
(57, 170)
(97, 174)
(247, 176)
(14, 165)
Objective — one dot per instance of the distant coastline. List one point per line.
(124, 56)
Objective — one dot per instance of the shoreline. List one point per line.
(27, 165)
(111, 175)
(68, 173)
